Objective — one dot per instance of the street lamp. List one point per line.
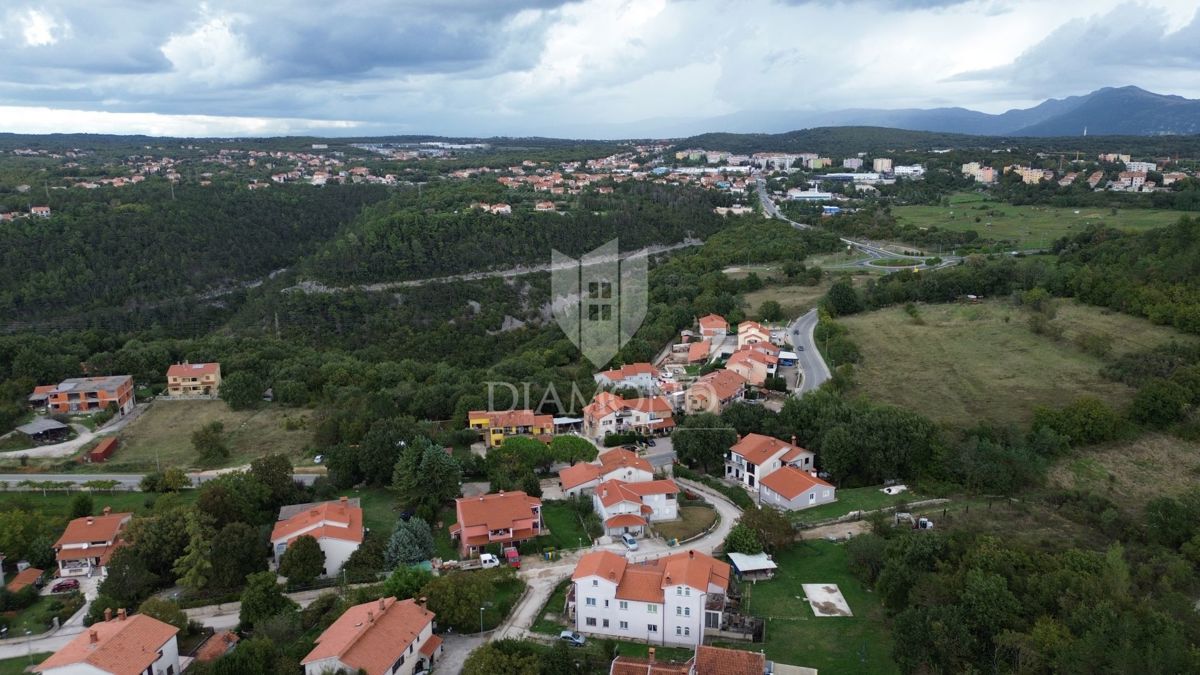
(481, 620)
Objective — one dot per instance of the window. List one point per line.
(652, 609)
(624, 625)
(591, 621)
(678, 630)
(687, 611)
(687, 592)
(606, 623)
(678, 590)
(595, 582)
(678, 611)
(622, 604)
(606, 603)
(652, 627)
(687, 630)
(812, 496)
(591, 602)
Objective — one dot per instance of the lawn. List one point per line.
(1132, 473)
(858, 644)
(59, 503)
(554, 605)
(965, 363)
(692, 521)
(38, 617)
(566, 529)
(1026, 226)
(163, 435)
(852, 499)
(18, 664)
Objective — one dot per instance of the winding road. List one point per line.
(812, 365)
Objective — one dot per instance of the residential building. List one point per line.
(125, 645)
(1173, 177)
(881, 165)
(87, 543)
(609, 413)
(40, 211)
(337, 526)
(756, 456)
(40, 396)
(671, 600)
(981, 174)
(92, 394)
(792, 489)
(1113, 157)
(1141, 167)
(641, 376)
(1095, 179)
(714, 391)
(755, 362)
(626, 508)
(194, 379)
(504, 519)
(706, 661)
(909, 171)
(1130, 180)
(1029, 175)
(698, 352)
(852, 163)
(615, 464)
(495, 426)
(713, 326)
(544, 206)
(751, 333)
(381, 637)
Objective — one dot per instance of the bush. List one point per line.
(1159, 403)
(1086, 421)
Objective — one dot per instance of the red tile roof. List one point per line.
(193, 369)
(644, 582)
(431, 645)
(616, 491)
(723, 383)
(496, 511)
(121, 646)
(713, 321)
(513, 418)
(91, 529)
(721, 661)
(327, 520)
(790, 482)
(217, 646)
(26, 577)
(631, 665)
(373, 635)
(631, 370)
(625, 520)
(698, 351)
(758, 448)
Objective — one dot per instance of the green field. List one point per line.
(966, 363)
(163, 435)
(19, 664)
(1132, 473)
(1027, 226)
(59, 503)
(39, 617)
(795, 636)
(852, 499)
(795, 299)
(692, 521)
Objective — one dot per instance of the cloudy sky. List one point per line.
(545, 67)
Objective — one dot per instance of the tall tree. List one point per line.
(303, 561)
(194, 567)
(262, 598)
(411, 543)
(426, 477)
(238, 550)
(703, 440)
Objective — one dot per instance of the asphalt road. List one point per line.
(808, 357)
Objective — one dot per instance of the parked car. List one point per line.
(631, 448)
(650, 442)
(629, 541)
(65, 585)
(575, 639)
(318, 459)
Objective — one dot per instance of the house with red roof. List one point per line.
(504, 519)
(756, 456)
(699, 351)
(381, 637)
(792, 489)
(706, 661)
(752, 332)
(337, 526)
(626, 508)
(87, 543)
(755, 363)
(609, 413)
(615, 464)
(669, 600)
(713, 326)
(496, 425)
(641, 376)
(714, 391)
(125, 645)
(194, 379)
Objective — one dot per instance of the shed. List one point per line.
(757, 567)
(45, 429)
(103, 450)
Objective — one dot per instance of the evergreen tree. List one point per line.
(194, 567)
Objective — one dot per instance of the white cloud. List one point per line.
(38, 28)
(213, 53)
(41, 120)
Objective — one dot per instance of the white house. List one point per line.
(86, 545)
(337, 527)
(126, 644)
(756, 456)
(611, 414)
(382, 637)
(791, 489)
(640, 376)
(751, 333)
(625, 508)
(615, 464)
(668, 601)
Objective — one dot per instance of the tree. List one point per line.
(426, 477)
(166, 611)
(411, 543)
(742, 539)
(129, 581)
(274, 472)
(303, 561)
(770, 310)
(841, 300)
(572, 449)
(771, 527)
(194, 567)
(173, 480)
(81, 505)
(242, 390)
(235, 496)
(159, 540)
(406, 582)
(498, 657)
(456, 598)
(262, 598)
(703, 439)
(209, 443)
(237, 551)
(367, 561)
(1159, 403)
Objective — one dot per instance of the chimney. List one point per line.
(121, 614)
(90, 520)
(93, 636)
(383, 603)
(422, 601)
(108, 613)
(692, 553)
(650, 654)
(344, 500)
(793, 439)
(370, 616)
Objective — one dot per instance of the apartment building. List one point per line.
(609, 413)
(194, 379)
(616, 464)
(495, 426)
(91, 394)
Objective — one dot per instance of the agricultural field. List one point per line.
(1132, 473)
(960, 364)
(795, 636)
(1030, 227)
(163, 435)
(795, 299)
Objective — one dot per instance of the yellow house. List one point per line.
(194, 379)
(498, 425)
